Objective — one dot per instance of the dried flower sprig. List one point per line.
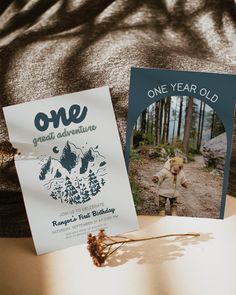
(7, 152)
(101, 246)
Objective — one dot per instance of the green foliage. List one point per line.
(136, 192)
(177, 143)
(168, 148)
(137, 138)
(140, 138)
(148, 138)
(135, 184)
(217, 127)
(165, 151)
(134, 155)
(190, 157)
(145, 150)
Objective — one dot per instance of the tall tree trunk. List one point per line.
(187, 127)
(212, 124)
(143, 121)
(161, 118)
(168, 119)
(151, 127)
(202, 124)
(174, 116)
(180, 116)
(157, 122)
(199, 127)
(165, 120)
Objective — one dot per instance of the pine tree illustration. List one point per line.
(78, 184)
(93, 183)
(71, 194)
(85, 193)
(103, 182)
(58, 191)
(45, 168)
(53, 195)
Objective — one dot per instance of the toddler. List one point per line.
(169, 179)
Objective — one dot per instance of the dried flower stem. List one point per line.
(130, 240)
(100, 246)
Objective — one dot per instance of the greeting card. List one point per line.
(179, 138)
(71, 168)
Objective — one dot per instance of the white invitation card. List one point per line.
(71, 168)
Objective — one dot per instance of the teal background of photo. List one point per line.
(224, 85)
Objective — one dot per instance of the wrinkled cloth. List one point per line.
(50, 48)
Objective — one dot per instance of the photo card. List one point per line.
(179, 136)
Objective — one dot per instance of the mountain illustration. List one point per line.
(88, 157)
(51, 169)
(76, 176)
(45, 168)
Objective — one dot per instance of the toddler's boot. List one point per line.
(162, 212)
(173, 211)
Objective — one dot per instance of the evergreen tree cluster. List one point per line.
(78, 192)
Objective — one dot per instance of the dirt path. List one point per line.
(201, 199)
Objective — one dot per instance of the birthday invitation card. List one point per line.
(71, 168)
(179, 138)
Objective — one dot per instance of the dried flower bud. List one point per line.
(97, 249)
(7, 153)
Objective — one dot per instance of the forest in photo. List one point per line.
(179, 126)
